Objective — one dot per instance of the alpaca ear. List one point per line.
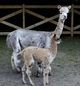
(59, 6)
(69, 7)
(52, 36)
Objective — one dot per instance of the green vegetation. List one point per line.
(68, 51)
(5, 53)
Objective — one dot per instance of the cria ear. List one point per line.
(54, 35)
(59, 6)
(69, 7)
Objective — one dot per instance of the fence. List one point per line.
(72, 29)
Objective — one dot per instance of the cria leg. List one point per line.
(39, 66)
(45, 75)
(28, 71)
(49, 70)
(23, 73)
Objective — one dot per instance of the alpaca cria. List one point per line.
(46, 56)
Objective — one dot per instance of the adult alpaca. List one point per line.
(24, 38)
(46, 56)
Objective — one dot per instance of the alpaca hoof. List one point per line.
(47, 83)
(33, 84)
(24, 82)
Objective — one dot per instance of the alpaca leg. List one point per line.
(15, 63)
(12, 62)
(23, 73)
(47, 73)
(49, 70)
(28, 72)
(39, 68)
(45, 76)
(44, 82)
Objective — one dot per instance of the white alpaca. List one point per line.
(25, 38)
(46, 56)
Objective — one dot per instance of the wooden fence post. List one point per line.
(72, 20)
(23, 16)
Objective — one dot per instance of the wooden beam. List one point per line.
(23, 16)
(10, 15)
(27, 6)
(76, 32)
(72, 21)
(10, 6)
(77, 6)
(4, 33)
(76, 27)
(66, 32)
(77, 12)
(40, 6)
(11, 25)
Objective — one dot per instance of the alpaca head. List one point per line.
(63, 11)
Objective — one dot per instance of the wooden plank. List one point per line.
(23, 16)
(27, 6)
(72, 21)
(76, 32)
(77, 12)
(40, 6)
(76, 27)
(10, 6)
(32, 6)
(66, 32)
(11, 25)
(67, 27)
(77, 6)
(10, 15)
(4, 33)
(40, 23)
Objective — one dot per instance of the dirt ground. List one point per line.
(65, 67)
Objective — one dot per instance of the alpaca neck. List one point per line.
(53, 47)
(59, 28)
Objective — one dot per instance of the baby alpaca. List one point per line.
(46, 56)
